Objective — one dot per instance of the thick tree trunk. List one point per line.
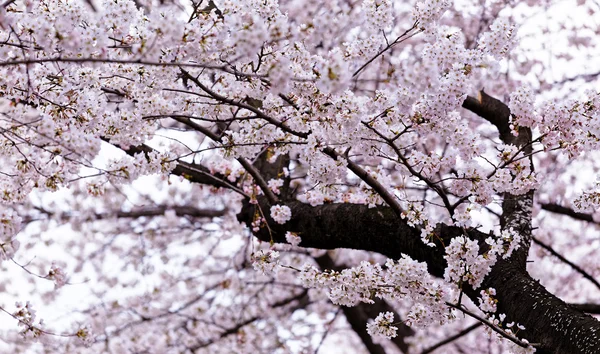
(549, 322)
(547, 319)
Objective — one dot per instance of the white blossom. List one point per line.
(281, 213)
(383, 325)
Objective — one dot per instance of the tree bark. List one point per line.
(549, 322)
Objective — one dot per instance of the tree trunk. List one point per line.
(549, 322)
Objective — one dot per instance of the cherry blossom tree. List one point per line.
(263, 176)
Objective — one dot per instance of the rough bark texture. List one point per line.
(557, 327)
(548, 320)
(352, 226)
(550, 323)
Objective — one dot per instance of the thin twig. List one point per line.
(125, 61)
(243, 105)
(400, 39)
(452, 338)
(495, 328)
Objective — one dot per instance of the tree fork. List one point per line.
(549, 321)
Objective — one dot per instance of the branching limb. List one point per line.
(401, 38)
(492, 326)
(575, 267)
(492, 110)
(243, 105)
(440, 192)
(180, 210)
(245, 163)
(390, 199)
(194, 173)
(452, 338)
(559, 209)
(223, 68)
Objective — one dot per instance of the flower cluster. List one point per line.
(26, 316)
(281, 213)
(348, 287)
(465, 264)
(266, 262)
(500, 40)
(589, 200)
(58, 275)
(379, 14)
(487, 303)
(383, 326)
(427, 12)
(275, 184)
(292, 238)
(227, 168)
(522, 107)
(405, 278)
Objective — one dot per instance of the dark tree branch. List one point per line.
(588, 308)
(439, 190)
(358, 317)
(557, 327)
(401, 38)
(7, 3)
(492, 110)
(575, 267)
(549, 321)
(258, 178)
(390, 199)
(375, 229)
(585, 77)
(516, 216)
(498, 113)
(241, 104)
(516, 209)
(58, 59)
(559, 209)
(161, 209)
(194, 173)
(490, 325)
(180, 210)
(452, 338)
